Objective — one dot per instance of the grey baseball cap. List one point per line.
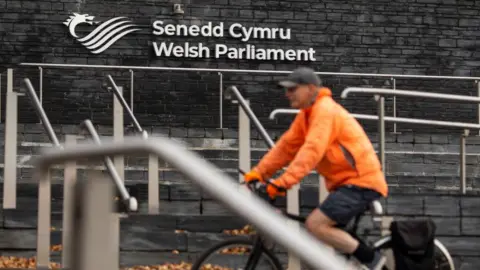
(302, 75)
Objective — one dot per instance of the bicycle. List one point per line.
(256, 246)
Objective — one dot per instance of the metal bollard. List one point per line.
(381, 130)
(44, 221)
(118, 132)
(244, 152)
(94, 242)
(153, 189)
(463, 161)
(69, 182)
(293, 207)
(118, 160)
(10, 169)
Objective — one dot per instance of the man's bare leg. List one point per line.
(323, 228)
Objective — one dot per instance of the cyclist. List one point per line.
(326, 137)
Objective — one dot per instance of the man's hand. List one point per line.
(276, 188)
(252, 176)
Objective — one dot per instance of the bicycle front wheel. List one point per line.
(233, 254)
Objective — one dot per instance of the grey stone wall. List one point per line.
(423, 182)
(408, 37)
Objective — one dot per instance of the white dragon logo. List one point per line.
(104, 35)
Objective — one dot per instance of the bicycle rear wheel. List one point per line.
(443, 260)
(233, 254)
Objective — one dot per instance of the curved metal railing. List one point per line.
(213, 181)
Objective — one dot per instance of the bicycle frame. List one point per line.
(258, 243)
(351, 228)
(259, 246)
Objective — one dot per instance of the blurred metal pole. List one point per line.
(94, 245)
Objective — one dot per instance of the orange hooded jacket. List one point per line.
(325, 137)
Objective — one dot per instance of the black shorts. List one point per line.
(344, 203)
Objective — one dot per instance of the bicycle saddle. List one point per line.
(376, 208)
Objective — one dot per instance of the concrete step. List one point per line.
(227, 133)
(402, 170)
(442, 204)
(401, 159)
(456, 219)
(426, 153)
(37, 133)
(175, 188)
(445, 145)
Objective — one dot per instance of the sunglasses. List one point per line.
(291, 89)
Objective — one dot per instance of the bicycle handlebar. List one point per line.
(260, 189)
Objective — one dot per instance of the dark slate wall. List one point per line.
(428, 37)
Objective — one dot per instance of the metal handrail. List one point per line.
(51, 65)
(461, 125)
(41, 112)
(125, 106)
(274, 113)
(408, 93)
(129, 201)
(250, 114)
(210, 179)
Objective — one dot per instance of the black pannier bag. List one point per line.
(413, 244)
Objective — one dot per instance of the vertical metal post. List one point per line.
(385, 223)
(44, 214)
(221, 99)
(10, 163)
(95, 242)
(118, 132)
(153, 190)
(381, 129)
(70, 177)
(463, 161)
(394, 86)
(293, 207)
(131, 90)
(119, 164)
(40, 86)
(0, 97)
(244, 159)
(322, 195)
(478, 105)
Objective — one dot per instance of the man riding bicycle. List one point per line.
(326, 137)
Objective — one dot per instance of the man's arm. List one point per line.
(283, 151)
(312, 151)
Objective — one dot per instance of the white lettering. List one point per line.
(290, 55)
(186, 50)
(232, 32)
(178, 51)
(236, 30)
(285, 34)
(311, 55)
(170, 29)
(193, 31)
(157, 28)
(162, 50)
(247, 32)
(250, 52)
(220, 49)
(207, 30)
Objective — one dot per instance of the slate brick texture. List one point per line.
(409, 37)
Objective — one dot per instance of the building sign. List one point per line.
(107, 33)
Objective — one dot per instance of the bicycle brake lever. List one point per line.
(281, 189)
